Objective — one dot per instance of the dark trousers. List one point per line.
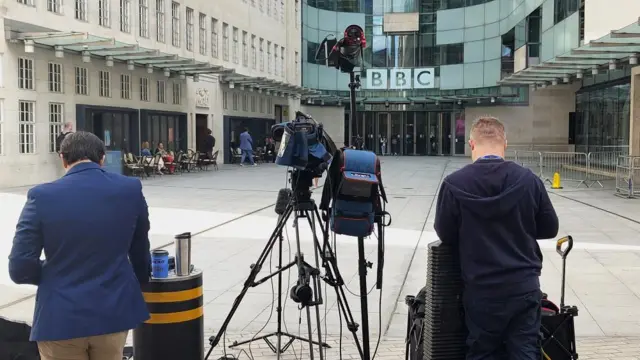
(503, 328)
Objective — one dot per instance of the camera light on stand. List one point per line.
(612, 65)
(59, 52)
(109, 61)
(149, 69)
(579, 75)
(554, 82)
(130, 65)
(167, 73)
(196, 77)
(29, 46)
(633, 60)
(493, 99)
(184, 76)
(86, 57)
(566, 79)
(594, 71)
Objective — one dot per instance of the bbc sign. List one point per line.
(382, 79)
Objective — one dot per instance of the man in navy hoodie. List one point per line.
(493, 211)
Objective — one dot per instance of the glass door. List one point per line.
(410, 135)
(382, 129)
(422, 133)
(446, 135)
(369, 132)
(397, 133)
(433, 133)
(460, 142)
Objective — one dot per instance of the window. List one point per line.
(105, 84)
(160, 21)
(225, 42)
(298, 19)
(144, 89)
(261, 105)
(104, 18)
(254, 53)
(177, 93)
(25, 74)
(245, 49)
(452, 54)
(282, 13)
(125, 86)
(245, 102)
(81, 10)
(175, 24)
(253, 103)
(275, 9)
(161, 88)
(82, 81)
(27, 125)
(235, 100)
(225, 100)
(55, 6)
(269, 57)
(236, 57)
(214, 38)
(125, 16)
(261, 54)
(55, 77)
(143, 18)
(283, 68)
(563, 9)
(26, 2)
(268, 6)
(276, 67)
(56, 115)
(269, 105)
(261, 5)
(202, 34)
(189, 29)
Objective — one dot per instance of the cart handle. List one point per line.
(564, 253)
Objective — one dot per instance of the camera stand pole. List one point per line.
(363, 264)
(354, 83)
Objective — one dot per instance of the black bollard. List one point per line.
(176, 327)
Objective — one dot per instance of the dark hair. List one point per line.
(208, 131)
(80, 146)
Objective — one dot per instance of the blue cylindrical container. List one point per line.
(160, 264)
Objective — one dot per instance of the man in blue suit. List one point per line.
(246, 146)
(93, 227)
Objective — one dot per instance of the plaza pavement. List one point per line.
(231, 212)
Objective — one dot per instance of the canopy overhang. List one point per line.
(325, 99)
(618, 47)
(111, 50)
(267, 85)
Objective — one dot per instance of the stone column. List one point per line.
(634, 105)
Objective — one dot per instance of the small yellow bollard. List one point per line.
(556, 181)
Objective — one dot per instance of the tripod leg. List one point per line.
(362, 270)
(301, 279)
(318, 288)
(279, 309)
(251, 278)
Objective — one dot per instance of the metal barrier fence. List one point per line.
(575, 167)
(627, 174)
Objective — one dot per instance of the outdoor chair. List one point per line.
(133, 166)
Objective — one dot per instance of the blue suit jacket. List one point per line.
(246, 142)
(93, 227)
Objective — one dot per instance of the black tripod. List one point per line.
(301, 206)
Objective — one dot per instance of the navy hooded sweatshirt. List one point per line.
(493, 211)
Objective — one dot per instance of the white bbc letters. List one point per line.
(382, 79)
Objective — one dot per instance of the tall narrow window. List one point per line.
(175, 24)
(225, 100)
(189, 29)
(55, 77)
(26, 127)
(261, 54)
(82, 81)
(161, 90)
(143, 18)
(269, 57)
(214, 38)
(236, 57)
(225, 42)
(27, 2)
(298, 18)
(104, 13)
(25, 74)
(56, 116)
(245, 49)
(80, 10)
(160, 19)
(125, 16)
(268, 6)
(177, 93)
(276, 67)
(144, 89)
(105, 84)
(282, 12)
(297, 66)
(275, 9)
(55, 6)
(202, 33)
(283, 67)
(254, 53)
(125, 86)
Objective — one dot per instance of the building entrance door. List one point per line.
(410, 135)
(421, 133)
(383, 130)
(460, 134)
(397, 133)
(446, 136)
(433, 134)
(369, 133)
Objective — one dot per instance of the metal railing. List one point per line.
(627, 175)
(571, 166)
